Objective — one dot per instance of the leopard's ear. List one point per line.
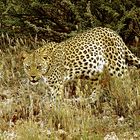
(23, 55)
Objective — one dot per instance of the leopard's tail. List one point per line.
(131, 58)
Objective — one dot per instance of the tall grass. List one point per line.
(25, 113)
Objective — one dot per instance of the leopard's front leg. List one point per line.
(55, 82)
(56, 92)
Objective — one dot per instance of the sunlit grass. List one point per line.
(25, 112)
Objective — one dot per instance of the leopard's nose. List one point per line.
(33, 77)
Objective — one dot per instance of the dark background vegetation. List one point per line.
(56, 20)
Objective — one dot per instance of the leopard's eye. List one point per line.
(39, 67)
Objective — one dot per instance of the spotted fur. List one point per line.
(84, 56)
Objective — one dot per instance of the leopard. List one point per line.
(85, 55)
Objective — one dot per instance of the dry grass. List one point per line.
(25, 113)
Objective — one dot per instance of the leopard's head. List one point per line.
(36, 65)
